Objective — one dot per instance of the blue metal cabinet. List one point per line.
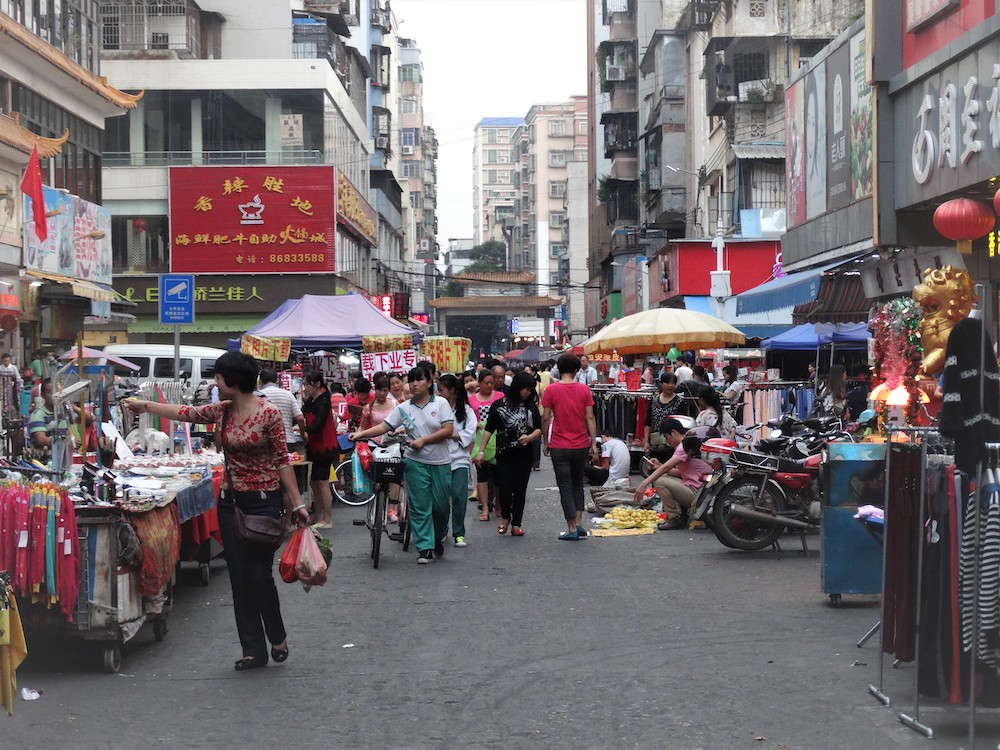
(851, 557)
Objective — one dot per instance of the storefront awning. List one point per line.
(794, 289)
(841, 299)
(82, 287)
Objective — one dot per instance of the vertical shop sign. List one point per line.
(861, 122)
(838, 112)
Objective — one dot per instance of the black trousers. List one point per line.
(255, 597)
(596, 475)
(512, 474)
(568, 464)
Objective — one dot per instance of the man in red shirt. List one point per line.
(568, 409)
(358, 400)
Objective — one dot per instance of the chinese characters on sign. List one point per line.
(384, 303)
(354, 211)
(920, 13)
(399, 361)
(269, 349)
(252, 219)
(953, 140)
(201, 294)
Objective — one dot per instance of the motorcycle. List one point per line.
(779, 480)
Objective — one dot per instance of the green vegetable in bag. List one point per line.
(490, 451)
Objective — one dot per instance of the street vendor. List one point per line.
(43, 426)
(678, 481)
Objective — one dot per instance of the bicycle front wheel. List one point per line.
(376, 521)
(343, 486)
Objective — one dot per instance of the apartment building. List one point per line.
(696, 126)
(53, 98)
(494, 168)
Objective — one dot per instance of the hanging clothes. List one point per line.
(984, 601)
(13, 650)
(902, 535)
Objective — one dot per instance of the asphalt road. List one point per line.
(661, 641)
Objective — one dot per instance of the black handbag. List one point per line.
(260, 531)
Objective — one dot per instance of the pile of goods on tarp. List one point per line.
(629, 518)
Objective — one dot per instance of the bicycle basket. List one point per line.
(388, 470)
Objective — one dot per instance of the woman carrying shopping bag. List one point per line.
(516, 423)
(252, 434)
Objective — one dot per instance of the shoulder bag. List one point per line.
(256, 530)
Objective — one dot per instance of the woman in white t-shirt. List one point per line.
(458, 448)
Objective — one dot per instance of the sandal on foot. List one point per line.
(484, 516)
(250, 662)
(279, 656)
(516, 531)
(502, 528)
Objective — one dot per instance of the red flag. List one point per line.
(31, 186)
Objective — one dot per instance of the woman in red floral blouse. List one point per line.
(257, 469)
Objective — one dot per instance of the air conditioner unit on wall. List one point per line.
(382, 142)
(407, 149)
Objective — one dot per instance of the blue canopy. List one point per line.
(814, 335)
(792, 289)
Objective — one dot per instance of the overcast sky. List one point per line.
(488, 58)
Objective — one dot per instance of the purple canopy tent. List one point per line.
(329, 322)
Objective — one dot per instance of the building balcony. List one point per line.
(699, 14)
(221, 158)
(616, 63)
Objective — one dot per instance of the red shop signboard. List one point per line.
(252, 219)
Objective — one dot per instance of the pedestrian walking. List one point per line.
(427, 420)
(516, 423)
(287, 404)
(322, 448)
(569, 431)
(374, 413)
(459, 443)
(485, 484)
(252, 435)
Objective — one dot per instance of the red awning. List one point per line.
(513, 354)
(841, 299)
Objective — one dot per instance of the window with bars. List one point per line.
(411, 136)
(412, 168)
(557, 219)
(557, 189)
(408, 105)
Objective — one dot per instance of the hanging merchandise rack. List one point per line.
(923, 440)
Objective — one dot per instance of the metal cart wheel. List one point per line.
(836, 600)
(160, 628)
(205, 571)
(112, 658)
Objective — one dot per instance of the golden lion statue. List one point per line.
(947, 296)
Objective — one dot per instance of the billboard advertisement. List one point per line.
(838, 108)
(795, 154)
(815, 141)
(862, 158)
(355, 212)
(78, 245)
(239, 219)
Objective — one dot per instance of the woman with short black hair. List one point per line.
(252, 435)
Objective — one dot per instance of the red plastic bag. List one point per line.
(364, 454)
(286, 565)
(310, 565)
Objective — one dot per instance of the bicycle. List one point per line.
(386, 468)
(342, 486)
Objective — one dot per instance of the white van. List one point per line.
(156, 361)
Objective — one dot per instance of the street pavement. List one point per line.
(661, 641)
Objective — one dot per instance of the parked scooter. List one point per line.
(775, 469)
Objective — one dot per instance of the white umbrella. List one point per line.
(655, 331)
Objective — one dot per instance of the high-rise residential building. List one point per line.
(418, 151)
(247, 92)
(549, 142)
(493, 174)
(53, 98)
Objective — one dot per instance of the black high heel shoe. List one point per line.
(279, 656)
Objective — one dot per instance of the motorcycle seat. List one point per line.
(792, 466)
(771, 445)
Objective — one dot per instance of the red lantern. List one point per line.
(139, 225)
(964, 220)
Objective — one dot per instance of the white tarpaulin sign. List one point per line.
(402, 361)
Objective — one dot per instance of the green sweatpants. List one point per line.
(428, 488)
(459, 499)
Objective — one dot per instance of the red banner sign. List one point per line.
(384, 303)
(252, 219)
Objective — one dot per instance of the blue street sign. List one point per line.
(176, 299)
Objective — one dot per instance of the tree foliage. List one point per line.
(490, 256)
